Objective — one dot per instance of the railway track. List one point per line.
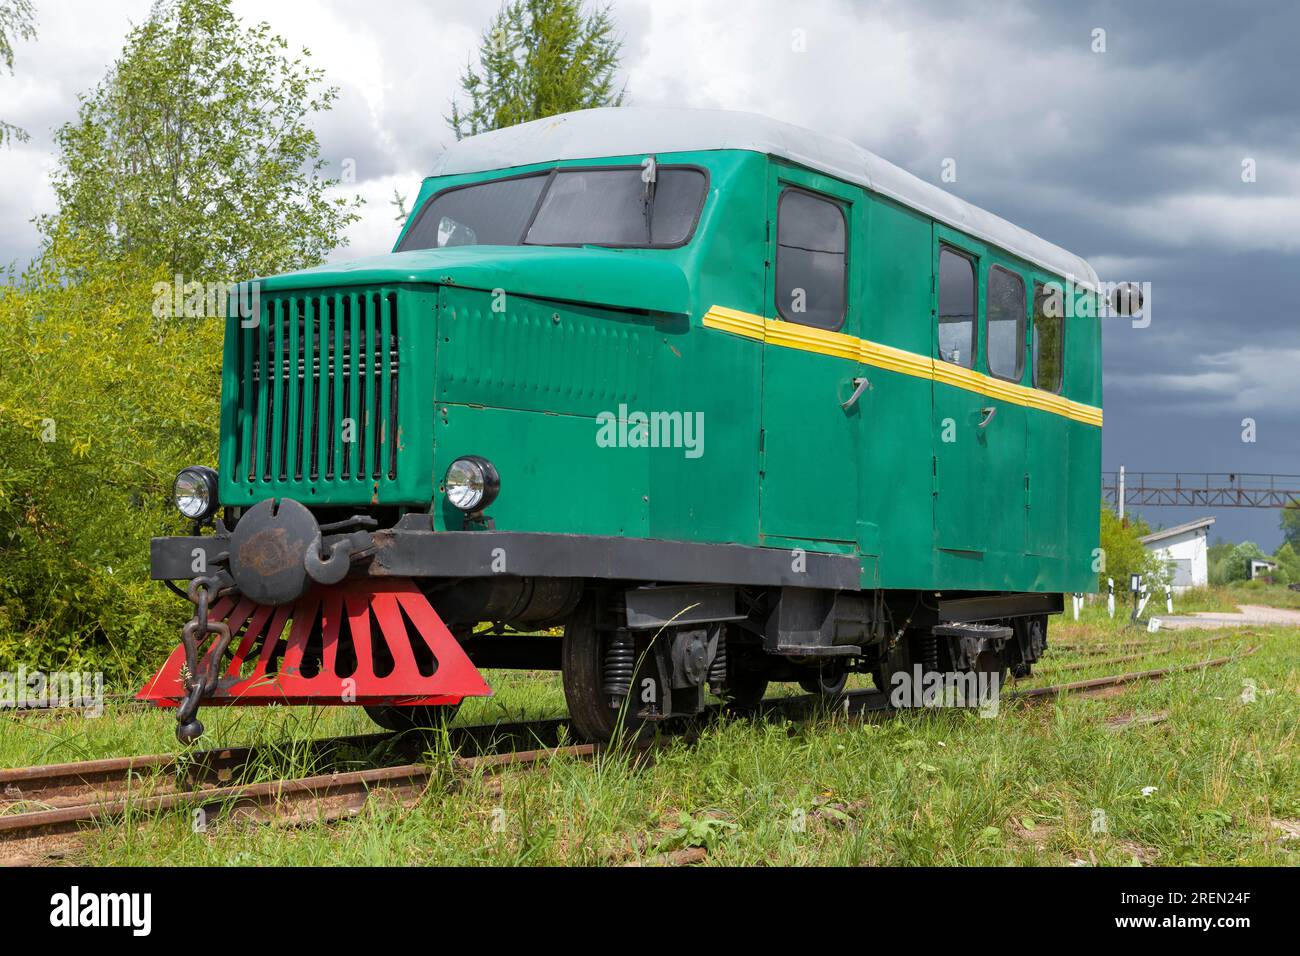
(319, 798)
(1158, 644)
(100, 783)
(60, 799)
(1049, 666)
(127, 702)
(1118, 680)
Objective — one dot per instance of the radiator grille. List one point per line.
(318, 385)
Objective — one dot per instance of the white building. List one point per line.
(1186, 547)
(1262, 568)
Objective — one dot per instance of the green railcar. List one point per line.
(729, 400)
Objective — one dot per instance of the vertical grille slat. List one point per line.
(385, 433)
(395, 360)
(320, 456)
(317, 396)
(338, 370)
(245, 423)
(368, 462)
(282, 391)
(271, 378)
(353, 365)
(293, 434)
(307, 463)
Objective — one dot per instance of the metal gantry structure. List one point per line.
(1199, 489)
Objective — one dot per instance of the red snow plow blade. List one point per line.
(360, 642)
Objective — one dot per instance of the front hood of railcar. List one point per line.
(615, 278)
(342, 415)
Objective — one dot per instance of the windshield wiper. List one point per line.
(649, 178)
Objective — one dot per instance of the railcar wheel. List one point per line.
(746, 678)
(582, 670)
(826, 681)
(421, 717)
(1023, 661)
(993, 667)
(895, 660)
(745, 690)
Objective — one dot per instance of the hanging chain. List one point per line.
(201, 673)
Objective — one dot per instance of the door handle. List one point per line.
(989, 412)
(860, 386)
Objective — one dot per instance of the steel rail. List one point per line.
(1086, 665)
(1117, 680)
(1100, 648)
(68, 783)
(335, 794)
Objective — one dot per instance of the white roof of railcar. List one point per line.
(630, 131)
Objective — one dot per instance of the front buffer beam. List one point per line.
(364, 641)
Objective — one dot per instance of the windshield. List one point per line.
(564, 207)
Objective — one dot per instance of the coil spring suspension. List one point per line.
(620, 662)
(718, 666)
(927, 651)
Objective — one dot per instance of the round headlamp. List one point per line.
(472, 483)
(195, 492)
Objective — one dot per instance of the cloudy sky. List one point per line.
(1132, 157)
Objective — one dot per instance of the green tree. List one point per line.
(100, 404)
(1291, 523)
(398, 202)
(1236, 565)
(17, 21)
(194, 153)
(1288, 560)
(1217, 561)
(1125, 554)
(538, 58)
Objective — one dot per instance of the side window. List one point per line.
(811, 259)
(1049, 340)
(956, 308)
(1004, 314)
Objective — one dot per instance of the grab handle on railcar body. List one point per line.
(860, 386)
(989, 412)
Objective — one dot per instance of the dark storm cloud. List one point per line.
(1151, 177)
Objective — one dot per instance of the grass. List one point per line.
(923, 788)
(1227, 598)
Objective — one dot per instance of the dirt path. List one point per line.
(1247, 614)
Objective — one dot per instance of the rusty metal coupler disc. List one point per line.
(267, 548)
